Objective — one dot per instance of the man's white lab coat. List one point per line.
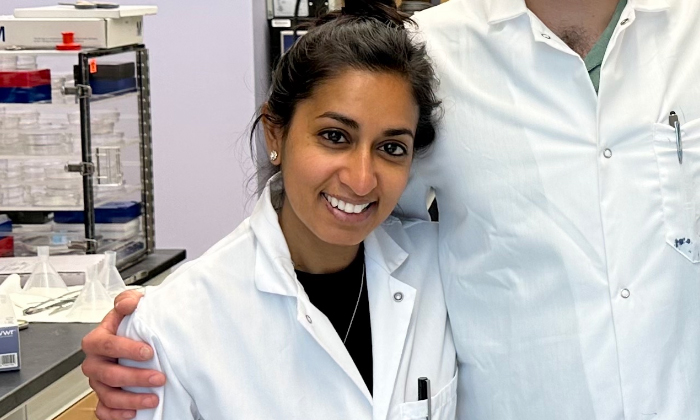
(237, 337)
(569, 231)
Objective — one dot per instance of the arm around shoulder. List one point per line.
(174, 400)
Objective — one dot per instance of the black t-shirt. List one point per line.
(336, 295)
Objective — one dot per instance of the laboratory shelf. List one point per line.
(123, 168)
(128, 142)
(103, 199)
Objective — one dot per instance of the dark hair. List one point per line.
(363, 35)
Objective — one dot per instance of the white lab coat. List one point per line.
(237, 337)
(566, 292)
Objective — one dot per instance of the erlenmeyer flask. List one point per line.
(109, 275)
(44, 280)
(93, 302)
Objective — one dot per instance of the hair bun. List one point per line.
(382, 10)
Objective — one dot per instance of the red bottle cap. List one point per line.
(68, 44)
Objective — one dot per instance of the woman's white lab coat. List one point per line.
(237, 337)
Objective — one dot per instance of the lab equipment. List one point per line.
(25, 85)
(45, 280)
(59, 302)
(111, 78)
(94, 301)
(109, 275)
(88, 147)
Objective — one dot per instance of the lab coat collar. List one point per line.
(391, 302)
(649, 5)
(498, 11)
(384, 249)
(274, 271)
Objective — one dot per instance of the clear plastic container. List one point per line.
(27, 118)
(10, 171)
(35, 170)
(105, 116)
(45, 142)
(8, 121)
(56, 195)
(8, 62)
(110, 115)
(13, 194)
(61, 189)
(9, 143)
(109, 139)
(26, 62)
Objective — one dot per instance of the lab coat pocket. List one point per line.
(679, 177)
(444, 405)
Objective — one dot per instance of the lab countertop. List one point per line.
(49, 351)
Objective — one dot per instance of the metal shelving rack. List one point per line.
(86, 167)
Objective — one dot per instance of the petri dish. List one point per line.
(12, 194)
(108, 139)
(45, 142)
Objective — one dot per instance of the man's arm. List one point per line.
(102, 347)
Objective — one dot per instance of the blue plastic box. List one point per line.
(116, 212)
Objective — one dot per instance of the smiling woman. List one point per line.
(345, 162)
(320, 305)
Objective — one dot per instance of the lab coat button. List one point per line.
(624, 22)
(545, 36)
(625, 293)
(308, 318)
(607, 153)
(398, 296)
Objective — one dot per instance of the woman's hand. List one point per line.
(102, 348)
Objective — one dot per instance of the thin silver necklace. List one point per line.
(362, 284)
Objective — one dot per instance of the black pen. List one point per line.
(424, 394)
(673, 122)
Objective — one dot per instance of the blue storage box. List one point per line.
(116, 212)
(23, 95)
(101, 87)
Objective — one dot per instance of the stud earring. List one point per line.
(273, 156)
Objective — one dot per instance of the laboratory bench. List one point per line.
(50, 384)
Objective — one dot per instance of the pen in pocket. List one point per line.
(424, 394)
(673, 122)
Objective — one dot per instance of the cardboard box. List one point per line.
(9, 347)
(45, 33)
(9, 336)
(64, 11)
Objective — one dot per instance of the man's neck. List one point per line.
(579, 23)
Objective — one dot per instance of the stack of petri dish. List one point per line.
(102, 127)
(8, 62)
(12, 192)
(9, 137)
(47, 139)
(61, 188)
